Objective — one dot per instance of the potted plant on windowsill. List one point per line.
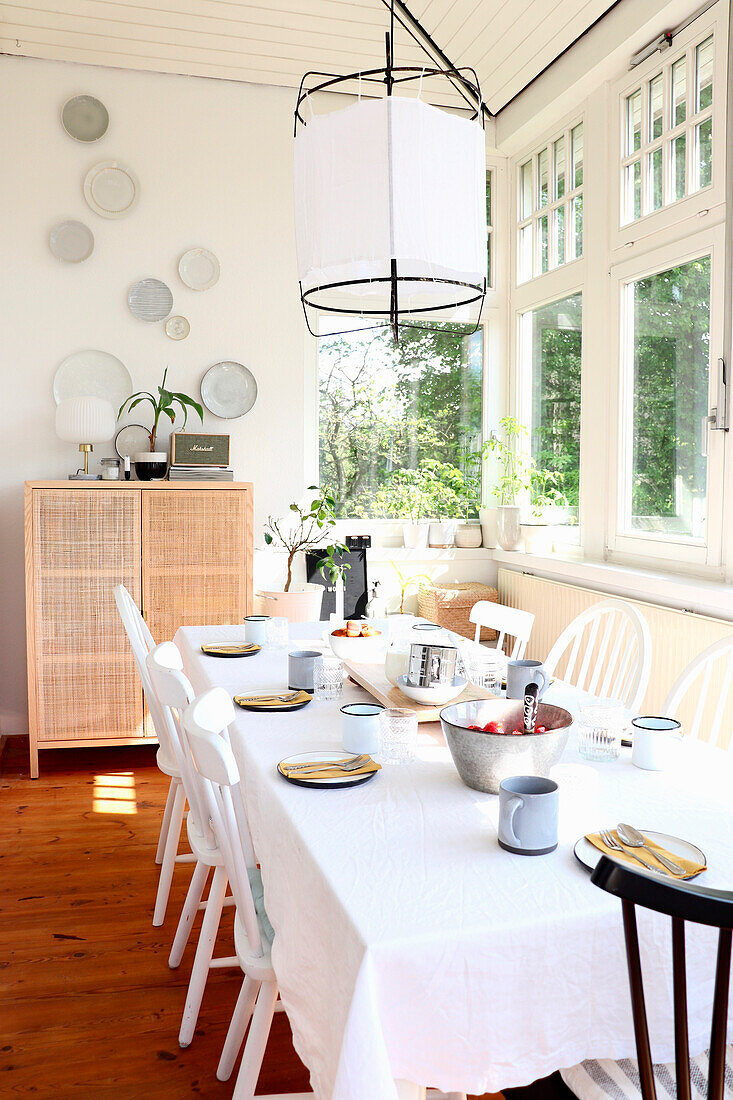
(404, 497)
(152, 465)
(510, 480)
(546, 502)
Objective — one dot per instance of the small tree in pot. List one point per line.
(154, 464)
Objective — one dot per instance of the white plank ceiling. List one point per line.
(508, 42)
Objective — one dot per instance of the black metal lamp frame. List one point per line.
(391, 75)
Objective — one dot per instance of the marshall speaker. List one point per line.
(193, 449)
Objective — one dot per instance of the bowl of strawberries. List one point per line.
(488, 742)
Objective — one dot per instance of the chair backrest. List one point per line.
(682, 901)
(142, 642)
(205, 721)
(712, 667)
(511, 621)
(173, 692)
(607, 651)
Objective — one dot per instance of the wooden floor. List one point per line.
(89, 1009)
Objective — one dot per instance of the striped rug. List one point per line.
(609, 1080)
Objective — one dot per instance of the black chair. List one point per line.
(682, 901)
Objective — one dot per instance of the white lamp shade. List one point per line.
(85, 420)
(390, 178)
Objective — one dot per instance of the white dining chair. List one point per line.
(142, 642)
(205, 722)
(174, 692)
(713, 668)
(511, 621)
(606, 651)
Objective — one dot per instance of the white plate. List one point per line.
(436, 696)
(131, 439)
(84, 118)
(228, 390)
(92, 373)
(111, 189)
(150, 300)
(199, 269)
(177, 328)
(71, 242)
(327, 757)
(587, 853)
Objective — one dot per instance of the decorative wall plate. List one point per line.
(150, 300)
(111, 189)
(177, 327)
(228, 390)
(92, 373)
(84, 118)
(199, 269)
(71, 242)
(131, 439)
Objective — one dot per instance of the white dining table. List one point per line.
(410, 950)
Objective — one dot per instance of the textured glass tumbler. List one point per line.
(600, 730)
(486, 672)
(397, 736)
(277, 632)
(328, 677)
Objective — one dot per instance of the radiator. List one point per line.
(677, 637)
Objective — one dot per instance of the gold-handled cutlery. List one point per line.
(351, 764)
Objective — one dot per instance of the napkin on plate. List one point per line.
(692, 867)
(327, 772)
(224, 649)
(267, 702)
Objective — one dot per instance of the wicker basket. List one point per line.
(449, 605)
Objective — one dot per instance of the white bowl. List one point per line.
(436, 696)
(358, 650)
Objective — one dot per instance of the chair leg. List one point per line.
(169, 856)
(165, 823)
(188, 913)
(237, 1028)
(203, 956)
(254, 1049)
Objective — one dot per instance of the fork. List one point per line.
(350, 765)
(270, 698)
(610, 841)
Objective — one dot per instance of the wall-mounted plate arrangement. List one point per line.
(199, 269)
(84, 118)
(92, 373)
(111, 189)
(228, 390)
(177, 328)
(71, 242)
(131, 440)
(150, 300)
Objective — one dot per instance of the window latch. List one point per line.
(717, 418)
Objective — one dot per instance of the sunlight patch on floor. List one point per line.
(114, 794)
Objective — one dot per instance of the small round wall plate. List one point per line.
(71, 242)
(199, 269)
(111, 189)
(150, 300)
(228, 390)
(92, 373)
(131, 439)
(84, 118)
(177, 327)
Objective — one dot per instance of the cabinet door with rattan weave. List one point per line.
(195, 558)
(84, 542)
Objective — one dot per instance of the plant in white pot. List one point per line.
(152, 465)
(546, 500)
(405, 497)
(469, 533)
(310, 528)
(510, 480)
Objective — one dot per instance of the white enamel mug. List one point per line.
(360, 727)
(255, 628)
(655, 741)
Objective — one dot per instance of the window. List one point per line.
(550, 206)
(667, 134)
(551, 344)
(413, 406)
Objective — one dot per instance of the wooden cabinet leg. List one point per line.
(34, 758)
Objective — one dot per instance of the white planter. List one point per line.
(537, 538)
(442, 534)
(302, 604)
(468, 535)
(488, 526)
(508, 526)
(415, 535)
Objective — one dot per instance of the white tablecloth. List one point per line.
(409, 945)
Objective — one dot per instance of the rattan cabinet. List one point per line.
(184, 551)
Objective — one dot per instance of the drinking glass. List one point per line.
(328, 677)
(277, 632)
(600, 730)
(484, 670)
(397, 735)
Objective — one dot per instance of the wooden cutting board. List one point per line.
(373, 680)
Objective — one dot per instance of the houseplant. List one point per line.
(510, 479)
(406, 495)
(309, 529)
(153, 464)
(545, 498)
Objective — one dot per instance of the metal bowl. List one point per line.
(483, 760)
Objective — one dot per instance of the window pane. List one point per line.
(559, 168)
(525, 254)
(704, 75)
(542, 178)
(559, 232)
(386, 408)
(656, 95)
(556, 337)
(704, 144)
(679, 149)
(543, 244)
(633, 123)
(525, 190)
(679, 91)
(671, 340)
(633, 191)
(576, 139)
(654, 167)
(576, 227)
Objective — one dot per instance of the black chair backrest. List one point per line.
(682, 901)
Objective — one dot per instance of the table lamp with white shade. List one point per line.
(86, 421)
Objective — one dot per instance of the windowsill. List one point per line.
(427, 553)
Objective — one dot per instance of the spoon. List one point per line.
(343, 766)
(630, 836)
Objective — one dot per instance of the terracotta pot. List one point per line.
(302, 604)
